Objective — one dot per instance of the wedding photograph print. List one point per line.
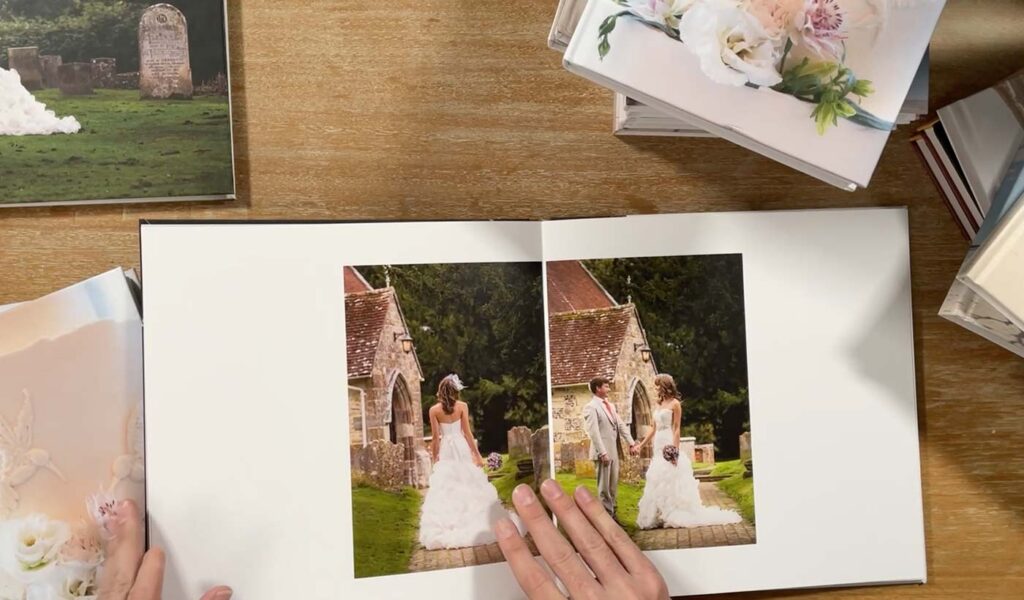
(114, 100)
(649, 396)
(447, 405)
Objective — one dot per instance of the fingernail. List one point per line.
(223, 595)
(551, 489)
(504, 529)
(523, 495)
(583, 495)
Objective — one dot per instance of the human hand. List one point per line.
(634, 449)
(603, 457)
(478, 461)
(127, 573)
(621, 569)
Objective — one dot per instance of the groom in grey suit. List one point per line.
(604, 428)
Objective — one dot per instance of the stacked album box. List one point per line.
(975, 153)
(815, 85)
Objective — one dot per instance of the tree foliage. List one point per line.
(486, 323)
(80, 30)
(692, 310)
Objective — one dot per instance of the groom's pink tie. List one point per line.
(609, 409)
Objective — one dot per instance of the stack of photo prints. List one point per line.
(114, 101)
(368, 395)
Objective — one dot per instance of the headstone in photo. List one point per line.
(541, 455)
(746, 451)
(75, 79)
(127, 81)
(686, 447)
(164, 70)
(49, 64)
(519, 441)
(26, 62)
(104, 70)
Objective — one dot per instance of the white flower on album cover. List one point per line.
(794, 47)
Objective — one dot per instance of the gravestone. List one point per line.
(583, 464)
(423, 468)
(104, 70)
(567, 458)
(745, 450)
(519, 441)
(75, 79)
(126, 81)
(686, 447)
(50, 63)
(164, 70)
(540, 444)
(704, 453)
(26, 62)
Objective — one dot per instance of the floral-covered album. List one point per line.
(815, 84)
(71, 434)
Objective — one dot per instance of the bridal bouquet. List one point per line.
(46, 559)
(795, 47)
(670, 453)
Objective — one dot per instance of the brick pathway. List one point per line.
(698, 537)
(432, 560)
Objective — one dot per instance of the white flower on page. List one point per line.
(733, 46)
(666, 12)
(38, 541)
(778, 17)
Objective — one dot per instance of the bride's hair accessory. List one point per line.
(670, 453)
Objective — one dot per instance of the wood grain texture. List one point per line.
(445, 109)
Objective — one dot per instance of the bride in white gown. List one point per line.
(22, 114)
(671, 495)
(461, 505)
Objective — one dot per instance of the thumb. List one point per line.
(221, 592)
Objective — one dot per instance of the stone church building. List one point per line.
(384, 376)
(592, 335)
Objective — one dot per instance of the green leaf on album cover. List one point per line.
(603, 47)
(607, 26)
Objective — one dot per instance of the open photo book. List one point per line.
(348, 406)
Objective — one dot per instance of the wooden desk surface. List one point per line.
(437, 109)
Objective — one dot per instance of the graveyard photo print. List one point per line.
(113, 100)
(668, 334)
(452, 352)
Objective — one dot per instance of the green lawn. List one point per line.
(385, 526)
(508, 482)
(628, 497)
(127, 148)
(736, 487)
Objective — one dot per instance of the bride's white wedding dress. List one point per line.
(461, 505)
(22, 114)
(671, 495)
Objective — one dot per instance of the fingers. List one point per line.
(124, 552)
(557, 552)
(221, 592)
(535, 581)
(149, 582)
(629, 555)
(587, 540)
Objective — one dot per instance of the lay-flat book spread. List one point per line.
(817, 86)
(112, 102)
(360, 399)
(70, 433)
